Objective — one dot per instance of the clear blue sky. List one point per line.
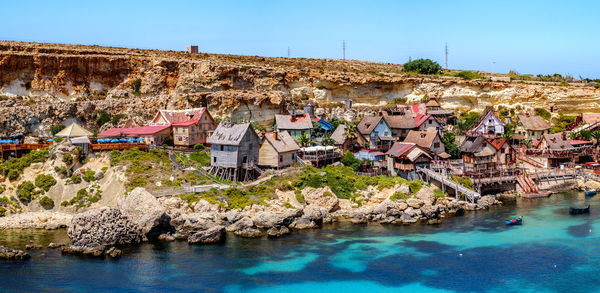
(527, 36)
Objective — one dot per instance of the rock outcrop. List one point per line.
(147, 212)
(213, 235)
(13, 254)
(92, 231)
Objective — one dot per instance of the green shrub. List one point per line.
(198, 146)
(67, 159)
(467, 74)
(422, 66)
(467, 120)
(104, 169)
(89, 175)
(327, 193)
(115, 119)
(25, 191)
(45, 182)
(564, 83)
(399, 196)
(438, 193)
(351, 161)
(2, 189)
(543, 113)
(102, 117)
(464, 181)
(415, 186)
(299, 196)
(2, 212)
(14, 167)
(61, 171)
(64, 203)
(47, 202)
(201, 157)
(56, 128)
(76, 179)
(136, 85)
(13, 175)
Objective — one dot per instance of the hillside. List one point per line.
(45, 84)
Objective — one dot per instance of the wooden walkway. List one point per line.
(17, 150)
(469, 194)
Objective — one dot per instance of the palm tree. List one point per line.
(303, 140)
(351, 131)
(573, 134)
(596, 136)
(327, 140)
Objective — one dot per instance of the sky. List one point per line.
(530, 37)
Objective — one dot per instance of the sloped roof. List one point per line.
(400, 148)
(74, 130)
(423, 138)
(534, 122)
(179, 116)
(420, 118)
(338, 134)
(229, 134)
(441, 112)
(488, 111)
(590, 118)
(284, 142)
(432, 103)
(471, 143)
(298, 122)
(555, 141)
(81, 140)
(185, 123)
(400, 121)
(368, 124)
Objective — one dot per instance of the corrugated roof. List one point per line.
(420, 118)
(229, 134)
(298, 122)
(179, 116)
(534, 122)
(284, 142)
(399, 149)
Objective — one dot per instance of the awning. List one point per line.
(444, 155)
(386, 138)
(80, 140)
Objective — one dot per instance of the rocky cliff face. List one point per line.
(43, 84)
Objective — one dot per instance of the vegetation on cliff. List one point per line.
(13, 168)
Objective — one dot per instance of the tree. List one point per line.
(449, 140)
(573, 135)
(349, 160)
(422, 66)
(527, 142)
(327, 140)
(508, 132)
(351, 131)
(596, 136)
(585, 134)
(303, 140)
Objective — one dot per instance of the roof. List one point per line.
(229, 134)
(534, 122)
(133, 131)
(299, 122)
(555, 141)
(318, 148)
(485, 153)
(488, 110)
(471, 143)
(338, 135)
(178, 116)
(432, 103)
(400, 121)
(440, 112)
(423, 138)
(497, 143)
(74, 130)
(185, 123)
(420, 118)
(81, 140)
(324, 124)
(444, 155)
(400, 148)
(590, 118)
(578, 142)
(368, 124)
(284, 142)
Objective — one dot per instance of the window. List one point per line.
(215, 159)
(244, 159)
(502, 150)
(221, 147)
(205, 118)
(280, 158)
(436, 145)
(193, 129)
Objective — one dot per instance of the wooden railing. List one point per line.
(99, 147)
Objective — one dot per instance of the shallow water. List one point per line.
(551, 252)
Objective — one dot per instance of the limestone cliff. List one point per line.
(43, 84)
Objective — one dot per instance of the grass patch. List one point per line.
(13, 168)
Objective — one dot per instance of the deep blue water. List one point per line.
(551, 252)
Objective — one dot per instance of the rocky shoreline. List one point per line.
(142, 217)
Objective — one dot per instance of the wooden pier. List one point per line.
(469, 194)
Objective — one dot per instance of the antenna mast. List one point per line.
(288, 52)
(446, 56)
(344, 49)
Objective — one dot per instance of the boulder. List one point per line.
(314, 213)
(13, 254)
(92, 231)
(425, 194)
(414, 203)
(322, 197)
(277, 232)
(188, 224)
(267, 219)
(203, 206)
(244, 228)
(147, 212)
(250, 232)
(213, 235)
(303, 223)
(166, 237)
(53, 245)
(32, 246)
(113, 252)
(430, 211)
(486, 201)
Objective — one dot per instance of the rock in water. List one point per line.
(276, 232)
(323, 197)
(92, 231)
(212, 235)
(13, 254)
(147, 212)
(114, 252)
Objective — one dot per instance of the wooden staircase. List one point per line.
(527, 184)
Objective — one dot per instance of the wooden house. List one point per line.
(152, 135)
(403, 158)
(433, 105)
(296, 124)
(553, 150)
(481, 154)
(376, 131)
(430, 140)
(345, 143)
(234, 151)
(532, 126)
(278, 150)
(188, 127)
(401, 123)
(427, 121)
(488, 124)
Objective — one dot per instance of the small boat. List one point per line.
(517, 221)
(579, 210)
(590, 192)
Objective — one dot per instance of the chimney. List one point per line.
(275, 135)
(380, 113)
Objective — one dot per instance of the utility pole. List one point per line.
(288, 52)
(446, 56)
(344, 49)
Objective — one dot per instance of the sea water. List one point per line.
(551, 252)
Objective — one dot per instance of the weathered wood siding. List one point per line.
(268, 157)
(225, 156)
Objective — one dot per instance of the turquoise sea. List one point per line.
(551, 252)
